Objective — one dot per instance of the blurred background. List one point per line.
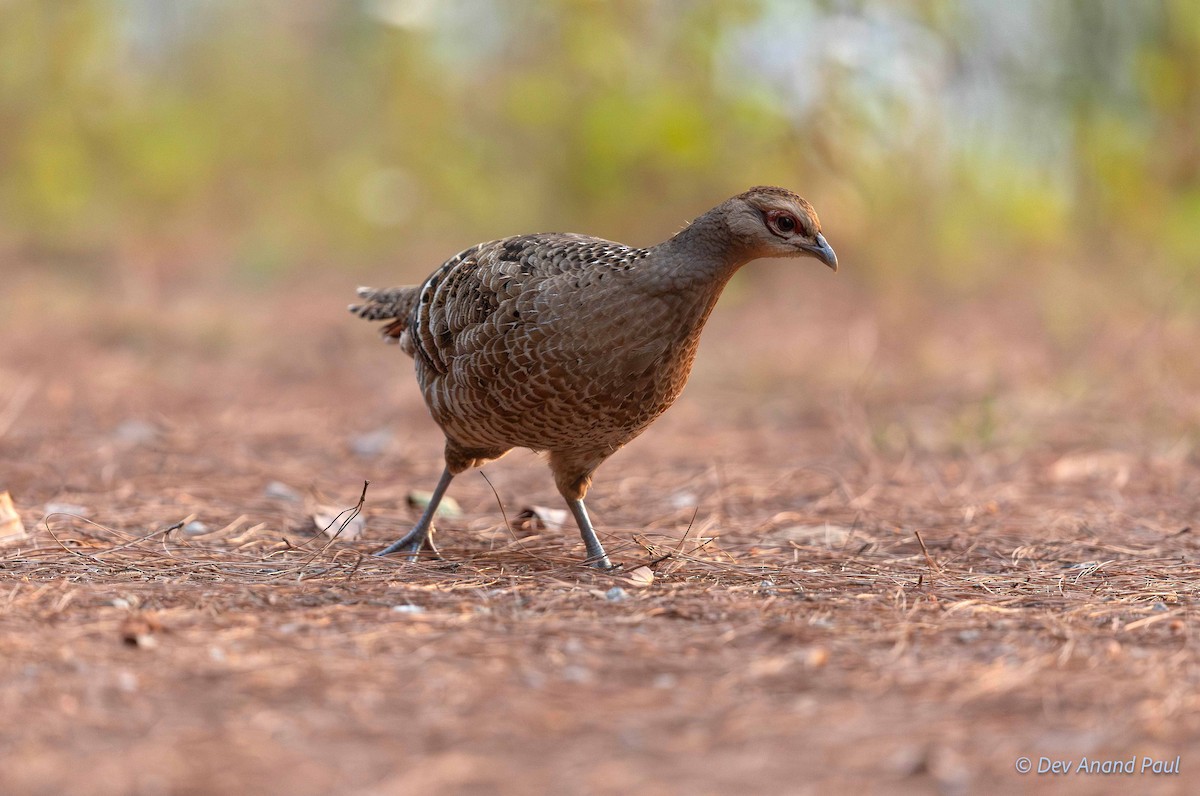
(947, 145)
(1006, 362)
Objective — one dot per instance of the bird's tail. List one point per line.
(393, 304)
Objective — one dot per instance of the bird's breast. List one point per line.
(575, 369)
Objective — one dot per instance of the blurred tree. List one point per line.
(943, 140)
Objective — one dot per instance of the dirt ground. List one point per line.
(872, 548)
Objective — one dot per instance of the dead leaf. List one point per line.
(1112, 466)
(448, 508)
(277, 490)
(64, 508)
(138, 630)
(825, 534)
(816, 657)
(539, 518)
(134, 433)
(642, 576)
(771, 666)
(11, 528)
(338, 523)
(372, 443)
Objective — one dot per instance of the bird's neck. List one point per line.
(700, 258)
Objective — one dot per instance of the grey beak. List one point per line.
(823, 252)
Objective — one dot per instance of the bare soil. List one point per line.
(888, 549)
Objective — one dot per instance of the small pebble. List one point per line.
(408, 609)
(533, 679)
(127, 681)
(684, 500)
(281, 491)
(574, 673)
(65, 508)
(195, 528)
(135, 432)
(372, 443)
(615, 595)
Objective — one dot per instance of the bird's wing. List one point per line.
(478, 295)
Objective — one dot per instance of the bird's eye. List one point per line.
(782, 223)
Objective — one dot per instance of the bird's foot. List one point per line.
(413, 543)
(602, 563)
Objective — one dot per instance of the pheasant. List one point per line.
(573, 345)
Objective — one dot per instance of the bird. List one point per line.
(572, 345)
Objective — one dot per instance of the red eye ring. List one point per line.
(782, 223)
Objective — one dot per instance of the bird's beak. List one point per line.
(822, 251)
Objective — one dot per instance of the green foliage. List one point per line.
(271, 135)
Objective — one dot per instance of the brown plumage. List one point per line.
(570, 344)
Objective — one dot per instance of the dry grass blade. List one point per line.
(788, 589)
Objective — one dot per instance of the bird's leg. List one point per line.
(596, 556)
(422, 532)
(573, 475)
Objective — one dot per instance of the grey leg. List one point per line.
(595, 551)
(422, 532)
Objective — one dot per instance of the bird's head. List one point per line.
(774, 222)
